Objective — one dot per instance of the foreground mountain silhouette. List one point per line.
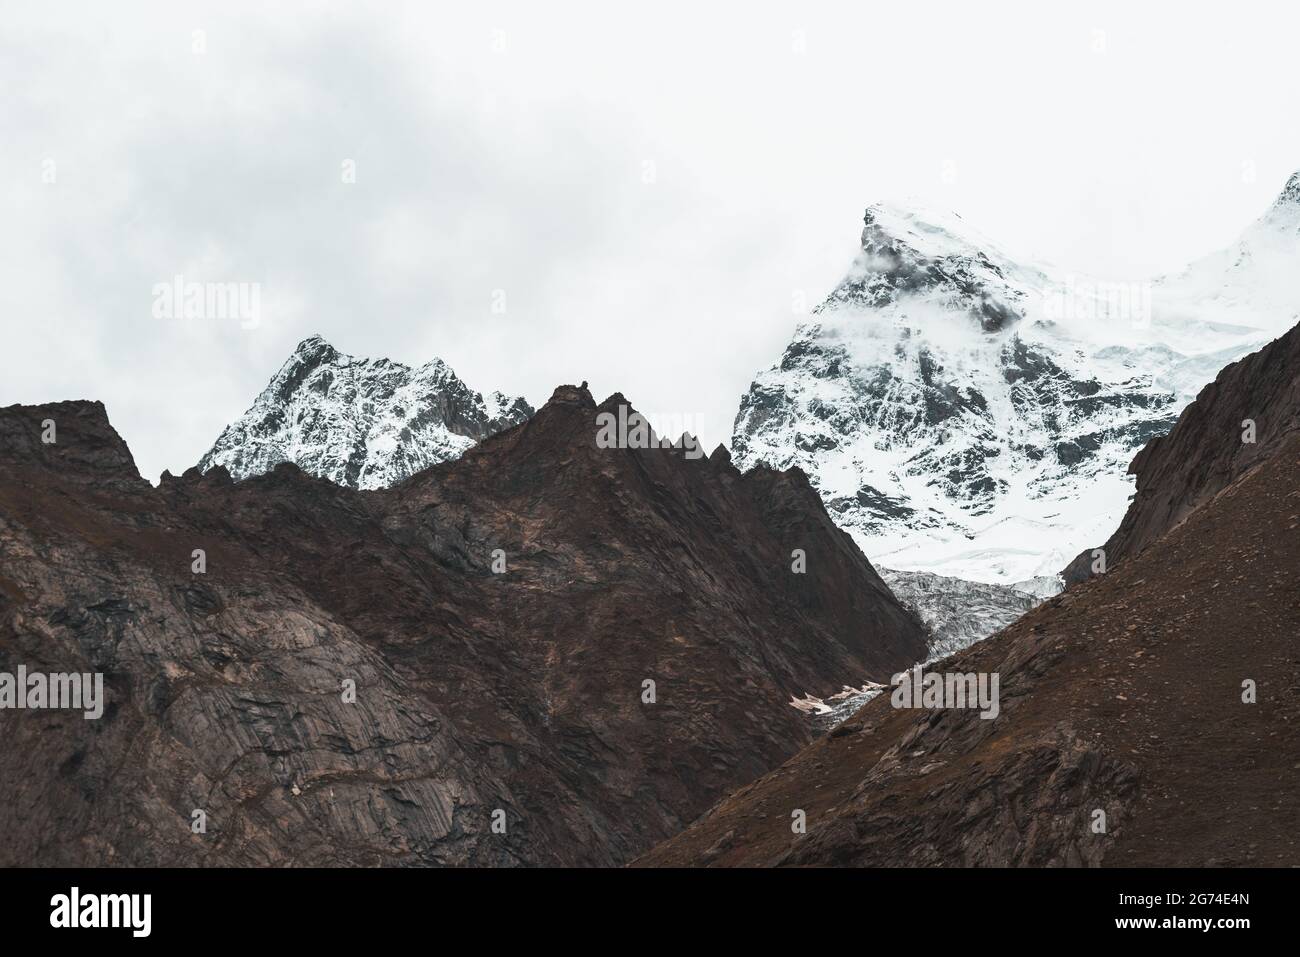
(586, 647)
(1160, 700)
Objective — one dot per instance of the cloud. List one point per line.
(647, 190)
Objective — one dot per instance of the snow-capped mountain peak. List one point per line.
(1246, 294)
(969, 415)
(1289, 198)
(936, 255)
(364, 423)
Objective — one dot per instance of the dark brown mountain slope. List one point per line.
(1206, 449)
(475, 691)
(1123, 694)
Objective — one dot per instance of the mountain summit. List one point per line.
(1290, 195)
(363, 423)
(966, 414)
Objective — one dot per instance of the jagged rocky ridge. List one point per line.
(474, 691)
(1124, 695)
(966, 414)
(364, 423)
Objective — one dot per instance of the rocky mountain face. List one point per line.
(543, 652)
(1238, 420)
(1148, 716)
(364, 423)
(966, 414)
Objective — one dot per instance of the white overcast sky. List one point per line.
(505, 146)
